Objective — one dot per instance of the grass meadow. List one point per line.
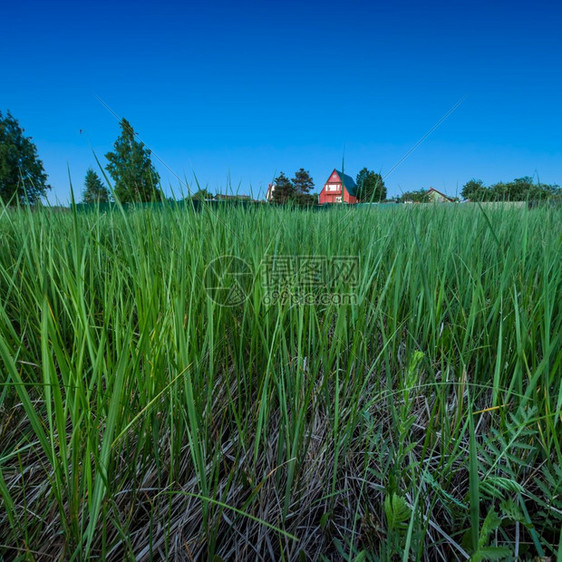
(140, 419)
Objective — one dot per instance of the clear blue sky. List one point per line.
(248, 89)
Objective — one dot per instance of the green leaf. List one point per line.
(397, 512)
(491, 523)
(492, 553)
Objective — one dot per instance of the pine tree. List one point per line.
(284, 189)
(303, 184)
(22, 177)
(136, 179)
(94, 190)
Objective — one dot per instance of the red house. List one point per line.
(332, 190)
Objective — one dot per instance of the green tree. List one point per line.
(284, 191)
(303, 184)
(94, 190)
(370, 187)
(474, 190)
(200, 195)
(520, 189)
(419, 196)
(136, 179)
(22, 177)
(546, 191)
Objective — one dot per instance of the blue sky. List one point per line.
(239, 91)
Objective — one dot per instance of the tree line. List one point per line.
(520, 189)
(23, 178)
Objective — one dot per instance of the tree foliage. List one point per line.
(370, 186)
(200, 195)
(303, 184)
(94, 190)
(418, 196)
(474, 190)
(22, 177)
(130, 166)
(284, 191)
(520, 189)
(296, 191)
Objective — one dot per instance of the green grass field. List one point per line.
(141, 419)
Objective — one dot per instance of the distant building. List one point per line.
(339, 188)
(434, 196)
(269, 194)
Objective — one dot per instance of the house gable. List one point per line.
(339, 188)
(437, 196)
(334, 177)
